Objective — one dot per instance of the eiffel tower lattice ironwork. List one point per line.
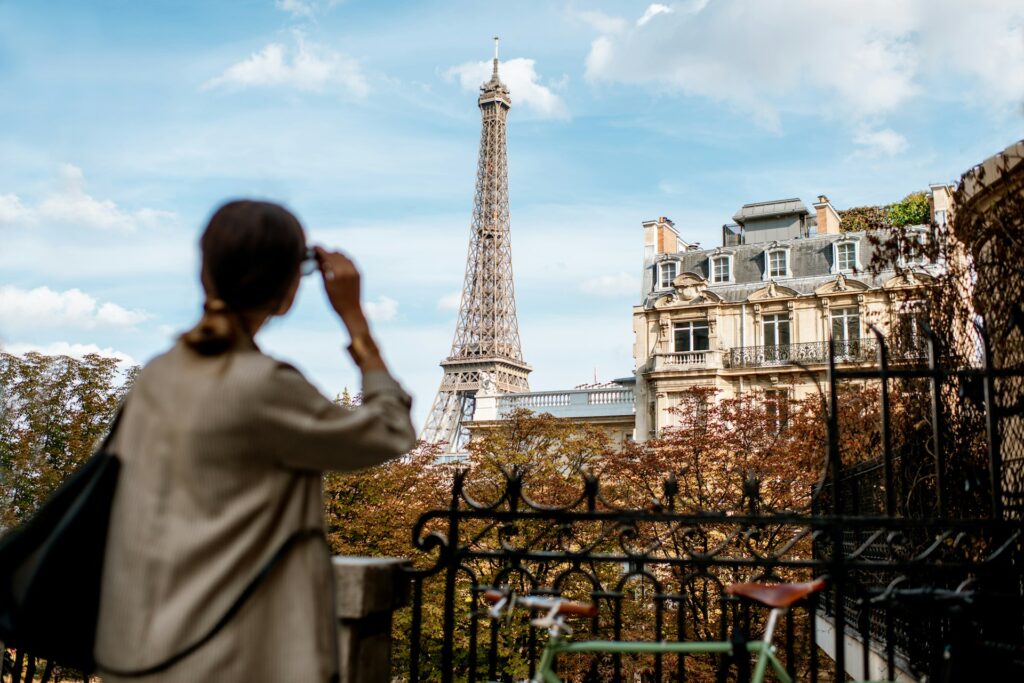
(485, 353)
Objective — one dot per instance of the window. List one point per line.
(914, 242)
(940, 217)
(846, 333)
(720, 269)
(908, 340)
(776, 330)
(691, 337)
(776, 338)
(667, 274)
(777, 266)
(846, 257)
(845, 324)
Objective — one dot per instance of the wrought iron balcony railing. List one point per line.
(807, 353)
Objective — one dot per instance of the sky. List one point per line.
(124, 124)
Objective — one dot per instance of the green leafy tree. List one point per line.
(914, 209)
(53, 410)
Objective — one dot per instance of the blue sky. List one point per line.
(123, 124)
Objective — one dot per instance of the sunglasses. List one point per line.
(309, 264)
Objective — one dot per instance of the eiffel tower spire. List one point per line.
(485, 352)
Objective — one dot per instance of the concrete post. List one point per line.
(367, 590)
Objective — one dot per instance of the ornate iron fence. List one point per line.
(659, 571)
(804, 353)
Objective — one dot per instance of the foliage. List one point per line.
(942, 311)
(53, 410)
(914, 209)
(744, 454)
(861, 218)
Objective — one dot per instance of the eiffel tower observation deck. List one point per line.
(485, 353)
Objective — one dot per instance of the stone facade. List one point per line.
(758, 312)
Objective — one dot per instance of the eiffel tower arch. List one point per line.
(485, 351)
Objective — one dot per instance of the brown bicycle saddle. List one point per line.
(776, 594)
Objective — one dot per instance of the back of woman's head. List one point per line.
(251, 255)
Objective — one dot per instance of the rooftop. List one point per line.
(775, 207)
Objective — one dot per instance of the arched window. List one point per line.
(720, 268)
(776, 262)
(667, 272)
(846, 256)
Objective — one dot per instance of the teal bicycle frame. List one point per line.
(545, 669)
(558, 645)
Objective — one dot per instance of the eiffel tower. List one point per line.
(485, 353)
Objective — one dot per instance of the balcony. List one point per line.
(687, 360)
(807, 353)
(571, 404)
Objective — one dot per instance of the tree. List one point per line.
(53, 411)
(914, 209)
(861, 218)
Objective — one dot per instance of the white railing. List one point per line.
(535, 400)
(608, 396)
(683, 360)
(575, 403)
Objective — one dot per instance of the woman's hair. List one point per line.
(251, 252)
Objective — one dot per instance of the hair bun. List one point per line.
(215, 332)
(215, 306)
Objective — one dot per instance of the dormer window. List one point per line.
(666, 274)
(846, 256)
(915, 240)
(721, 269)
(776, 262)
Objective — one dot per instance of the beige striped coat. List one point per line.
(222, 460)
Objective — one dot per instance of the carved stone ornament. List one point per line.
(689, 286)
(773, 290)
(908, 278)
(841, 285)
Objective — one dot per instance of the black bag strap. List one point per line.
(260, 577)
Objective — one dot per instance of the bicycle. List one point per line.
(779, 597)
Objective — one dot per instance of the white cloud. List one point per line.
(603, 22)
(304, 9)
(44, 307)
(74, 350)
(450, 301)
(72, 205)
(297, 8)
(653, 11)
(520, 75)
(306, 66)
(12, 211)
(878, 142)
(854, 61)
(621, 284)
(383, 309)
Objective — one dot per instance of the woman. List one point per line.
(223, 449)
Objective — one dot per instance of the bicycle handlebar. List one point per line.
(536, 602)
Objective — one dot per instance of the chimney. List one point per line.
(828, 218)
(660, 237)
(942, 202)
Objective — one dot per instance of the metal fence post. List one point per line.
(367, 591)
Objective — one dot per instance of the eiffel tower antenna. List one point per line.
(485, 353)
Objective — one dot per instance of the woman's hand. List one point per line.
(342, 284)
